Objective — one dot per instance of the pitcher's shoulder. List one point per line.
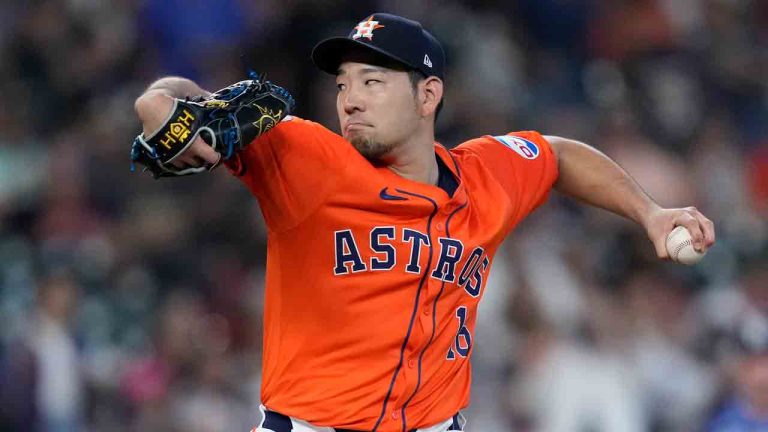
(527, 144)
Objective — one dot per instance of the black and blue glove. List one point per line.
(228, 120)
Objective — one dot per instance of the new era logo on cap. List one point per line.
(427, 61)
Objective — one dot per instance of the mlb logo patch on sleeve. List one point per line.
(521, 146)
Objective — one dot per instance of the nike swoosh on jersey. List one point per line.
(385, 196)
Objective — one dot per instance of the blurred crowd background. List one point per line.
(133, 304)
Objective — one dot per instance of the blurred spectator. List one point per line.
(736, 320)
(60, 389)
(18, 387)
(746, 362)
(182, 32)
(567, 385)
(747, 408)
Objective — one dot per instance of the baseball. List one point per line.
(680, 247)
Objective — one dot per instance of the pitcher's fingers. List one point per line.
(186, 159)
(692, 225)
(707, 227)
(661, 247)
(218, 162)
(207, 153)
(178, 163)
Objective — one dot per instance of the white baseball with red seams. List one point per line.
(680, 247)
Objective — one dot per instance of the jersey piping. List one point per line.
(415, 305)
(434, 324)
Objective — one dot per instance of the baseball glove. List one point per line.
(228, 120)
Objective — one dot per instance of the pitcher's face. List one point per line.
(376, 106)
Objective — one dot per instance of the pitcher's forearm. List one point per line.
(176, 87)
(592, 177)
(155, 104)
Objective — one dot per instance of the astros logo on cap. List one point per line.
(365, 28)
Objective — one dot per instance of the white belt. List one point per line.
(298, 425)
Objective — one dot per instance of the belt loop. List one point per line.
(276, 421)
(459, 421)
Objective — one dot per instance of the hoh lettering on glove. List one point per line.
(199, 133)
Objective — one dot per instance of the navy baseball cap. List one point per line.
(392, 36)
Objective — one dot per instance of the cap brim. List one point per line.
(327, 54)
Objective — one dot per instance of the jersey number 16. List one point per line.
(463, 341)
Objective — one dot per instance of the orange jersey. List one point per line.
(373, 280)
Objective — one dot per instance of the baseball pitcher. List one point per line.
(380, 239)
